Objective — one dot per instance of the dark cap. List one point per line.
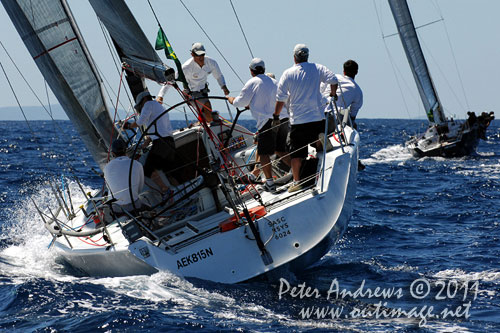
(118, 146)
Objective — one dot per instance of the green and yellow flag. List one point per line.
(163, 43)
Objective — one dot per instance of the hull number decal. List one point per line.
(194, 258)
(279, 227)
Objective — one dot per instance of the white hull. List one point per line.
(298, 229)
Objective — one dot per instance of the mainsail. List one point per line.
(133, 47)
(53, 39)
(411, 45)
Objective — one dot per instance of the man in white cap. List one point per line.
(300, 85)
(162, 152)
(196, 71)
(259, 93)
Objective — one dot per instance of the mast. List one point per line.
(418, 65)
(50, 33)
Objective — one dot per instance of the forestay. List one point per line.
(51, 35)
(411, 45)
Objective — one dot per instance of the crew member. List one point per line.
(300, 85)
(196, 71)
(259, 93)
(117, 173)
(162, 152)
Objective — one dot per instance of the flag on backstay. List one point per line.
(163, 43)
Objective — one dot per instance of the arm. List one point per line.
(216, 72)
(278, 108)
(245, 96)
(281, 96)
(356, 104)
(162, 92)
(333, 89)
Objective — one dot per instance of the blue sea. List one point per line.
(421, 253)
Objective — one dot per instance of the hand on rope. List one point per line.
(334, 97)
(126, 125)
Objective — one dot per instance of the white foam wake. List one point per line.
(391, 154)
(27, 255)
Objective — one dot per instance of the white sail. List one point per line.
(411, 45)
(53, 39)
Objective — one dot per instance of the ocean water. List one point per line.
(421, 252)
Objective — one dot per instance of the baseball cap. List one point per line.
(257, 62)
(198, 49)
(140, 97)
(301, 50)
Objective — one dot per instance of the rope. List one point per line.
(227, 62)
(117, 66)
(116, 111)
(241, 28)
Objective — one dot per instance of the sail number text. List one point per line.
(279, 227)
(194, 258)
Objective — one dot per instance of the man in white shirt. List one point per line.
(259, 93)
(162, 152)
(348, 92)
(116, 175)
(300, 85)
(196, 71)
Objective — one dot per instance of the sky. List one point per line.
(333, 30)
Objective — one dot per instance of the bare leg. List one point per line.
(296, 164)
(207, 111)
(155, 176)
(265, 161)
(256, 169)
(284, 157)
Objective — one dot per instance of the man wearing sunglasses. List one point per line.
(196, 71)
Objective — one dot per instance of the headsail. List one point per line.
(411, 45)
(132, 44)
(53, 39)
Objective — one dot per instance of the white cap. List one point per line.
(257, 62)
(301, 50)
(140, 97)
(198, 49)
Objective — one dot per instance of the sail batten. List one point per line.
(51, 35)
(415, 56)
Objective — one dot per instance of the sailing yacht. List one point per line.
(444, 137)
(220, 227)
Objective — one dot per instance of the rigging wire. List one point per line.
(35, 138)
(453, 55)
(154, 13)
(443, 75)
(391, 60)
(32, 90)
(19, 104)
(60, 129)
(210, 39)
(117, 66)
(241, 28)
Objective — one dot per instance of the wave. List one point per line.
(390, 154)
